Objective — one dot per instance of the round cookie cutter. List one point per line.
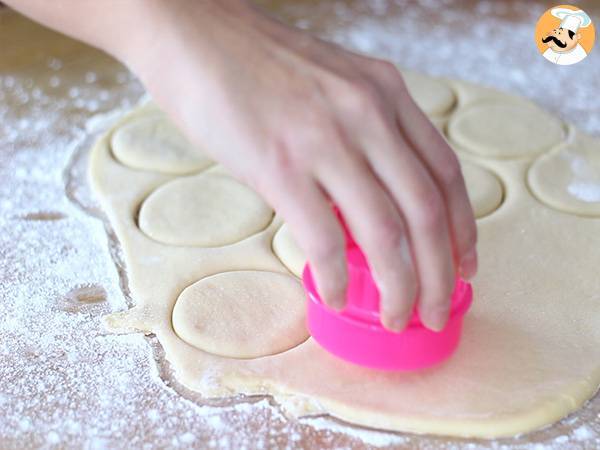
(356, 334)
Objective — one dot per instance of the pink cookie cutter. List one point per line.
(356, 335)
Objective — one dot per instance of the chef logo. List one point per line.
(565, 35)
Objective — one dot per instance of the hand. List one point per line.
(304, 123)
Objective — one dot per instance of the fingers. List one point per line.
(315, 228)
(377, 227)
(443, 165)
(440, 161)
(418, 197)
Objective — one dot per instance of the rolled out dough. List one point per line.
(484, 188)
(504, 128)
(220, 313)
(530, 352)
(434, 97)
(154, 143)
(288, 251)
(568, 179)
(207, 210)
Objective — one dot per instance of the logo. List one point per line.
(565, 35)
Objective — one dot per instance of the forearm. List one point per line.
(123, 28)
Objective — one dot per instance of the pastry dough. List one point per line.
(530, 352)
(220, 313)
(154, 143)
(484, 188)
(288, 251)
(505, 128)
(568, 179)
(434, 97)
(207, 210)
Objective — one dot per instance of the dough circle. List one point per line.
(206, 210)
(245, 314)
(484, 189)
(568, 179)
(433, 96)
(154, 143)
(288, 251)
(505, 129)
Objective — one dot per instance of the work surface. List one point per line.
(65, 381)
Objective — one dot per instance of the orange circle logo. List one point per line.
(565, 35)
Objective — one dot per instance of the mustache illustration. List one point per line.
(556, 41)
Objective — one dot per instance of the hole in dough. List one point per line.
(433, 96)
(154, 143)
(206, 210)
(505, 129)
(484, 189)
(244, 314)
(288, 251)
(569, 179)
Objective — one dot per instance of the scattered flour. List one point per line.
(586, 192)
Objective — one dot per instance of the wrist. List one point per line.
(162, 26)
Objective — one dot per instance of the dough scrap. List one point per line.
(484, 189)
(505, 129)
(433, 96)
(154, 143)
(206, 210)
(530, 352)
(220, 313)
(568, 179)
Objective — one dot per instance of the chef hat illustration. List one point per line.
(572, 20)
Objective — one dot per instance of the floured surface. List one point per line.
(531, 344)
(107, 390)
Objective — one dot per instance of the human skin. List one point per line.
(305, 123)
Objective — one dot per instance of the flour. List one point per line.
(586, 192)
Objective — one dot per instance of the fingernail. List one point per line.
(468, 264)
(396, 324)
(437, 320)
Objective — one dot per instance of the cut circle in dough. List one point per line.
(288, 251)
(484, 189)
(433, 96)
(505, 129)
(568, 179)
(242, 314)
(206, 210)
(153, 143)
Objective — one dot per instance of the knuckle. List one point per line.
(363, 96)
(431, 215)
(388, 71)
(325, 250)
(279, 158)
(450, 171)
(390, 235)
